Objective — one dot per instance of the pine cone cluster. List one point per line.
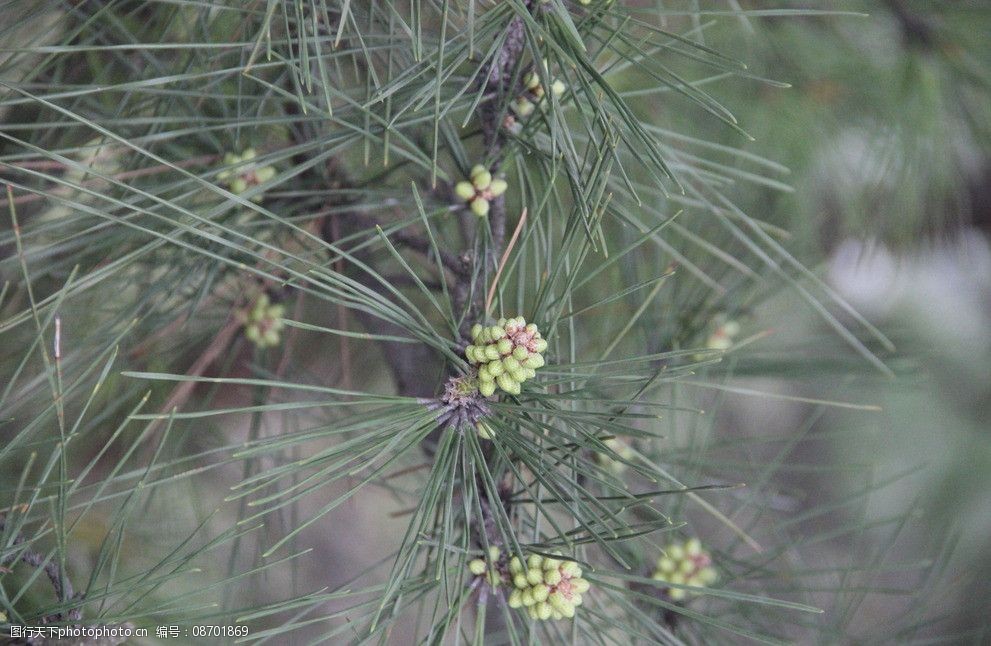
(548, 588)
(245, 175)
(685, 563)
(526, 103)
(507, 354)
(263, 322)
(480, 190)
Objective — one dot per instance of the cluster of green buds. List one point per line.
(548, 588)
(526, 103)
(263, 322)
(246, 175)
(507, 354)
(488, 568)
(481, 189)
(685, 563)
(723, 336)
(622, 449)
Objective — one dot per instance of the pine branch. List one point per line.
(56, 576)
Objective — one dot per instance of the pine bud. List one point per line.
(245, 175)
(548, 588)
(684, 563)
(489, 567)
(263, 322)
(505, 353)
(482, 180)
(480, 207)
(464, 190)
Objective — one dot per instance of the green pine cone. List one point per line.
(685, 563)
(506, 354)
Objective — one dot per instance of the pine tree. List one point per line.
(458, 267)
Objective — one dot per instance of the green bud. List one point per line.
(464, 190)
(534, 576)
(265, 173)
(492, 353)
(497, 333)
(498, 187)
(477, 567)
(487, 388)
(482, 180)
(524, 107)
(535, 361)
(475, 331)
(535, 560)
(480, 207)
(238, 186)
(476, 170)
(544, 611)
(486, 433)
(506, 383)
(495, 368)
(510, 364)
(520, 353)
(505, 346)
(540, 345)
(515, 599)
(518, 375)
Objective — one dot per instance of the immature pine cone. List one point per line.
(548, 588)
(685, 563)
(263, 322)
(481, 190)
(507, 354)
(526, 103)
(489, 568)
(239, 179)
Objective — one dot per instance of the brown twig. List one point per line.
(503, 260)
